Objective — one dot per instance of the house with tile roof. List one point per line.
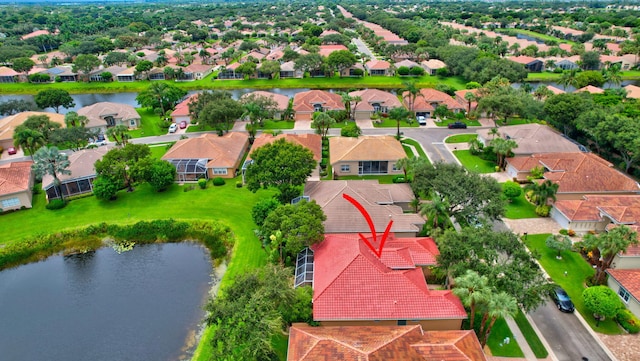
(8, 75)
(369, 343)
(282, 101)
(96, 74)
(378, 68)
(369, 154)
(208, 156)
(352, 286)
(428, 100)
(83, 173)
(374, 101)
(105, 115)
(469, 105)
(325, 50)
(533, 139)
(128, 75)
(356, 70)
(288, 70)
(309, 102)
(591, 89)
(313, 142)
(633, 91)
(597, 212)
(383, 202)
(196, 71)
(626, 283)
(530, 63)
(16, 183)
(181, 111)
(10, 123)
(577, 174)
(432, 65)
(229, 72)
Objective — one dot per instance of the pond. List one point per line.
(144, 304)
(83, 100)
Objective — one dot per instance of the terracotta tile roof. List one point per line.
(555, 90)
(280, 99)
(98, 111)
(377, 65)
(304, 101)
(182, 109)
(407, 63)
(15, 177)
(534, 138)
(522, 59)
(313, 142)
(351, 283)
(9, 124)
(629, 279)
(632, 91)
(81, 165)
(371, 96)
(6, 71)
(369, 343)
(198, 68)
(368, 147)
(433, 64)
(377, 199)
(590, 89)
(428, 97)
(35, 33)
(325, 50)
(578, 172)
(222, 152)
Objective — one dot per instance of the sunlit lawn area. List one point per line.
(461, 138)
(382, 179)
(499, 333)
(577, 271)
(149, 124)
(158, 150)
(520, 208)
(416, 145)
(390, 123)
(539, 35)
(468, 122)
(277, 124)
(532, 337)
(473, 163)
(200, 128)
(549, 76)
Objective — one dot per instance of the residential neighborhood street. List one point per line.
(566, 335)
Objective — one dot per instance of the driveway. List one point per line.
(363, 48)
(565, 334)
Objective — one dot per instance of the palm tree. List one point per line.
(503, 148)
(493, 132)
(439, 206)
(612, 74)
(73, 120)
(410, 87)
(398, 114)
(542, 192)
(28, 139)
(472, 289)
(119, 133)
(404, 164)
(500, 305)
(50, 161)
(568, 78)
(550, 64)
(469, 97)
(415, 204)
(542, 92)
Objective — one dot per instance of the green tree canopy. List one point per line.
(85, 63)
(602, 301)
(161, 95)
(54, 98)
(50, 161)
(608, 245)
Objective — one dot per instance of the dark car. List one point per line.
(183, 124)
(562, 300)
(457, 125)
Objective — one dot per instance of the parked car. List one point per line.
(562, 300)
(12, 150)
(96, 143)
(457, 125)
(421, 120)
(173, 127)
(183, 124)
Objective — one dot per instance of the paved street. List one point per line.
(363, 48)
(566, 335)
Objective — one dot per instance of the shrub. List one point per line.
(202, 183)
(238, 184)
(403, 70)
(218, 181)
(399, 179)
(56, 204)
(511, 190)
(628, 321)
(564, 232)
(416, 71)
(350, 130)
(543, 211)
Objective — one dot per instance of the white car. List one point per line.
(421, 120)
(173, 127)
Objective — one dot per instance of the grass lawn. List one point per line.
(532, 338)
(158, 150)
(383, 82)
(416, 145)
(389, 123)
(577, 271)
(408, 151)
(382, 179)
(149, 124)
(461, 138)
(520, 208)
(473, 163)
(200, 128)
(277, 124)
(499, 332)
(538, 35)
(468, 122)
(549, 76)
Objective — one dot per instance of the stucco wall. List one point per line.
(427, 325)
(24, 197)
(632, 305)
(626, 262)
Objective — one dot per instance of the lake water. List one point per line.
(145, 304)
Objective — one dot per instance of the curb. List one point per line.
(552, 355)
(595, 336)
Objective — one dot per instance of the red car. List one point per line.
(183, 124)
(11, 150)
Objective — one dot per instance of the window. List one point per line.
(11, 202)
(395, 168)
(220, 171)
(402, 322)
(345, 168)
(133, 123)
(373, 167)
(624, 294)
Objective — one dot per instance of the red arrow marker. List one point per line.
(367, 217)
